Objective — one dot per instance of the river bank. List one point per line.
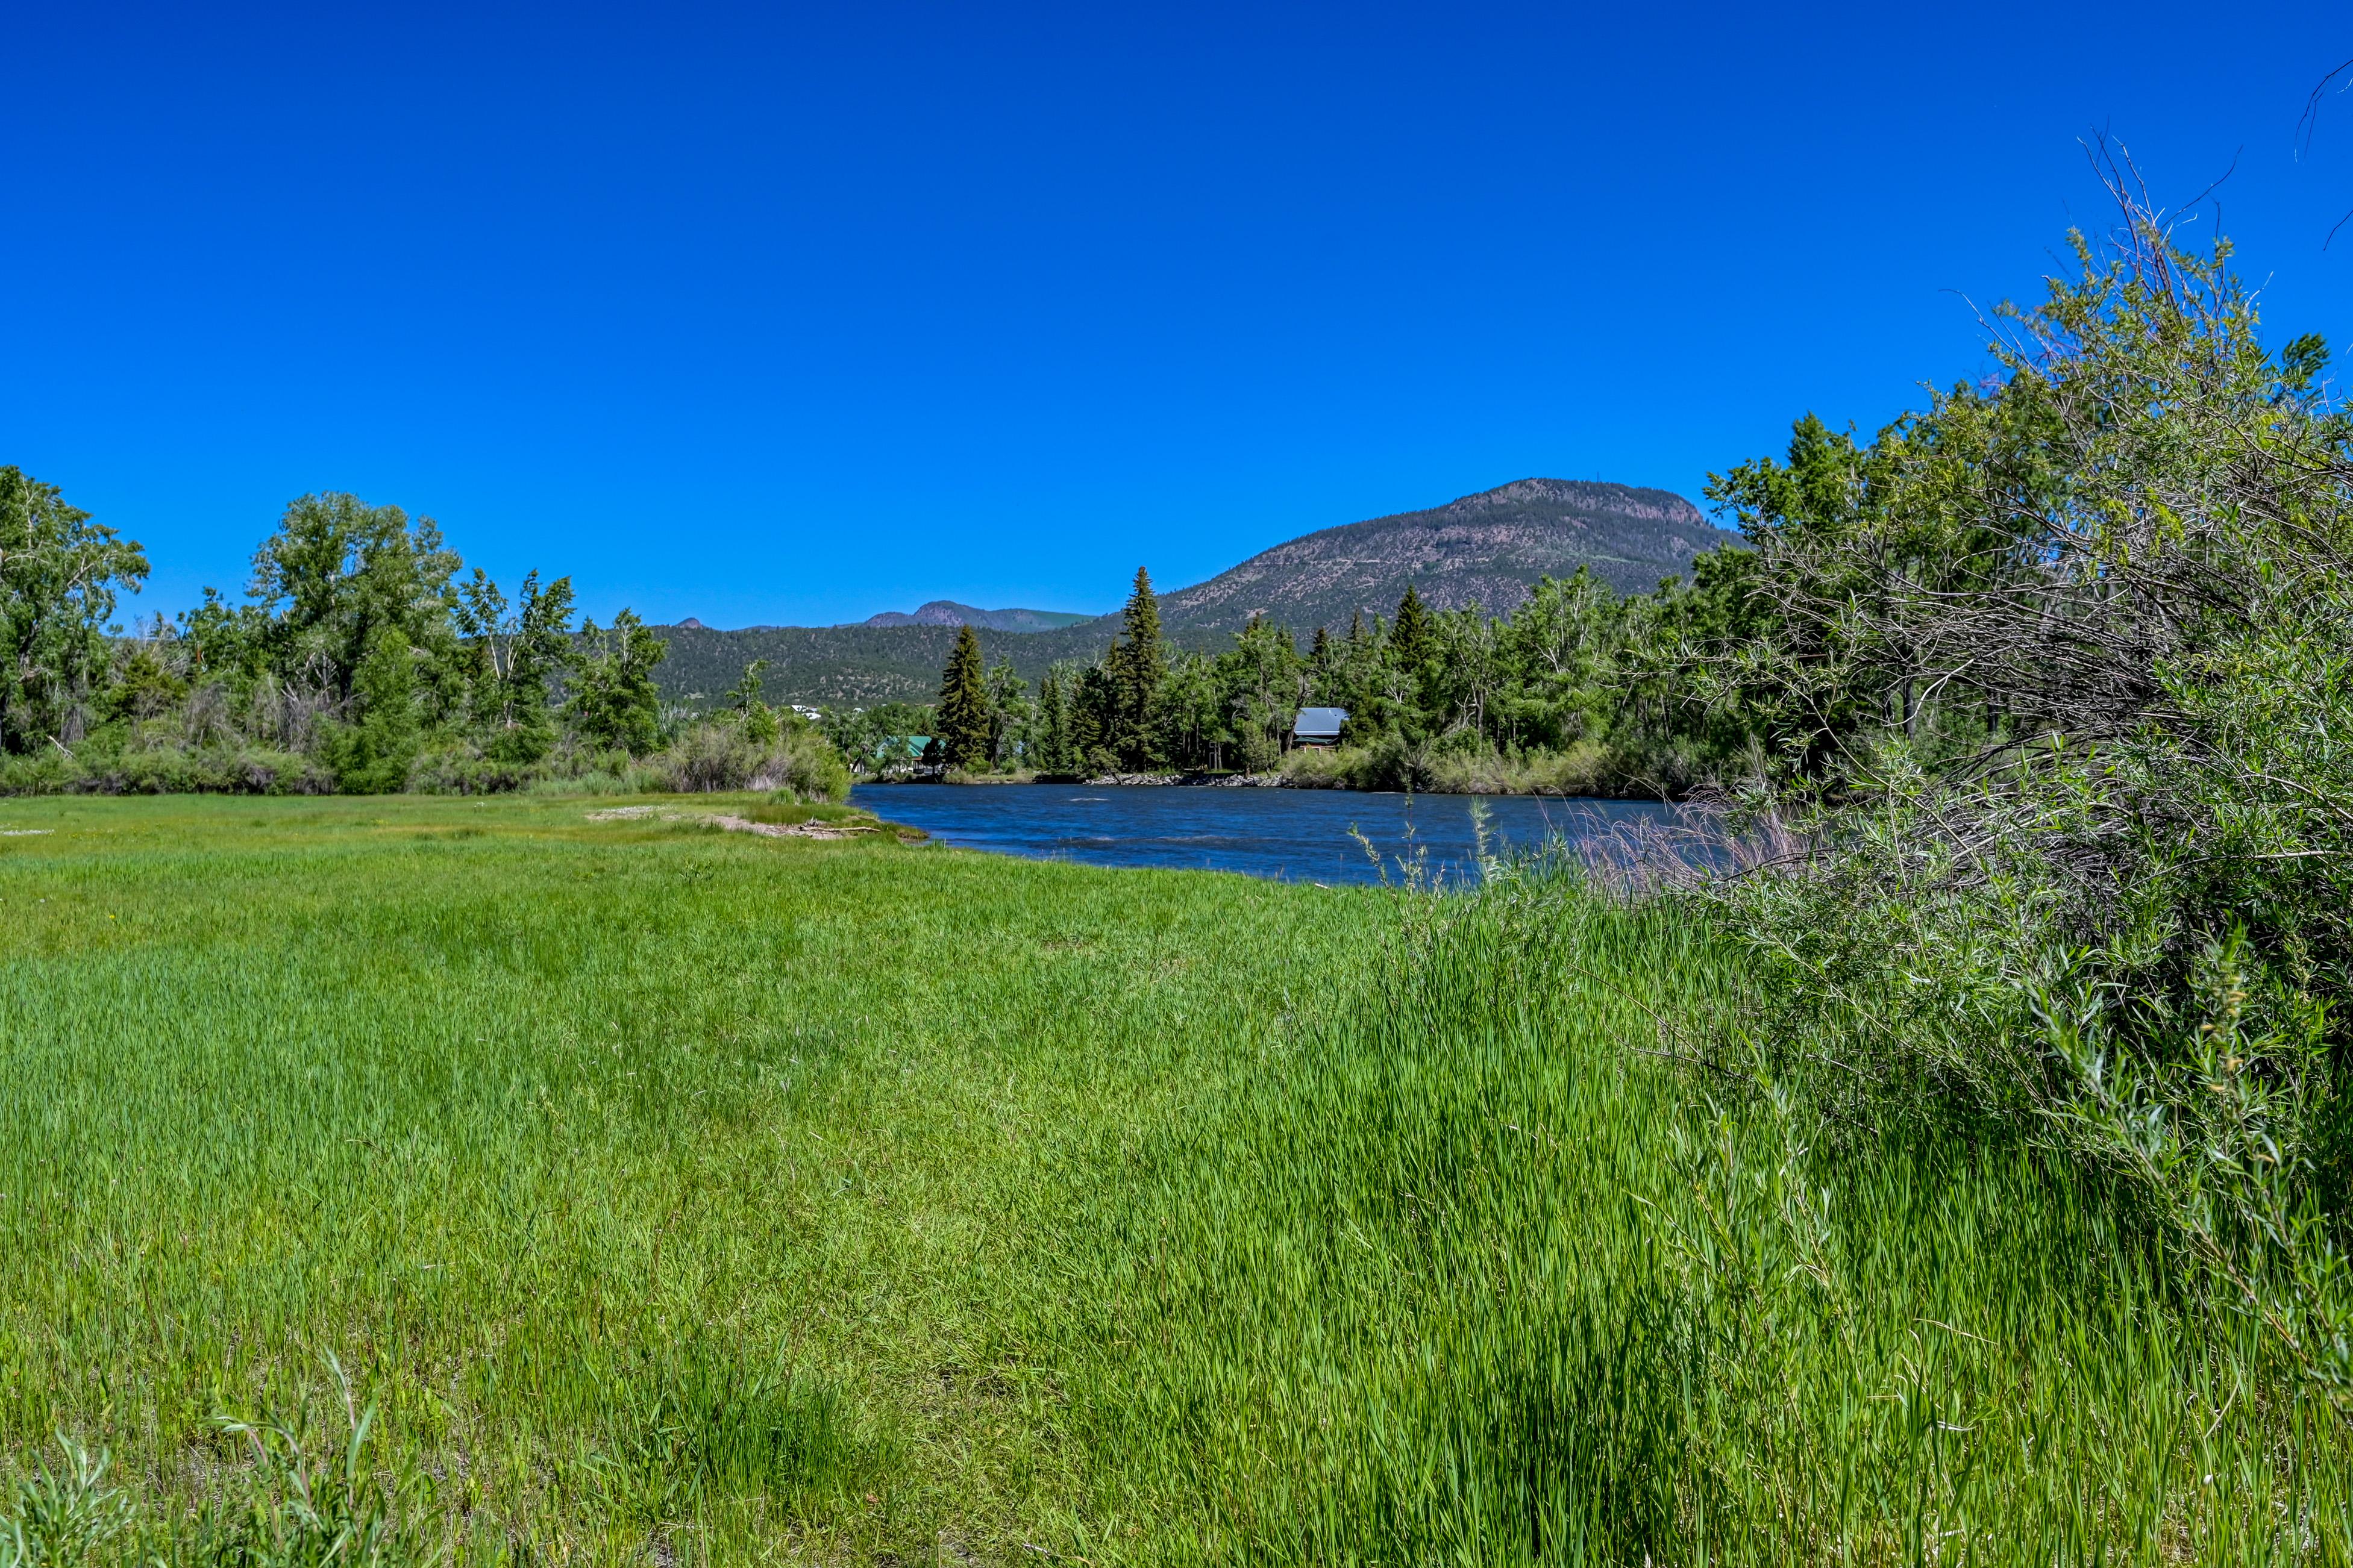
(1585, 773)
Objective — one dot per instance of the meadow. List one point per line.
(405, 1179)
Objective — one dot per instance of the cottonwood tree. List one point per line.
(335, 572)
(614, 701)
(59, 577)
(515, 659)
(1012, 715)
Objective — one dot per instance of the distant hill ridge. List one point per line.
(948, 613)
(1487, 549)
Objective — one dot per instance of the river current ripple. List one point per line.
(1291, 834)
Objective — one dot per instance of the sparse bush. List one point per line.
(450, 771)
(719, 754)
(164, 770)
(1318, 770)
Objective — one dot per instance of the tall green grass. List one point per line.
(652, 1181)
(1463, 1273)
(676, 1193)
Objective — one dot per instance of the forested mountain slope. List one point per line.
(1487, 547)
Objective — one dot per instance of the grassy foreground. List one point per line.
(681, 1196)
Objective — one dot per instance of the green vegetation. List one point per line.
(643, 1188)
(1491, 547)
(59, 576)
(1951, 1165)
(1579, 691)
(963, 719)
(2059, 676)
(359, 663)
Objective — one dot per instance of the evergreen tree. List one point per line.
(963, 728)
(1412, 650)
(1056, 754)
(1136, 665)
(1409, 635)
(1093, 718)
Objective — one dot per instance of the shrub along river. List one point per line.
(1294, 834)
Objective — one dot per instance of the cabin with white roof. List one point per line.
(1318, 727)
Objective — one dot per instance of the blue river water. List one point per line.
(1294, 834)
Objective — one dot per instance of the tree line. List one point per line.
(364, 658)
(1579, 688)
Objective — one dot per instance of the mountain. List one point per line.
(847, 666)
(1487, 548)
(948, 613)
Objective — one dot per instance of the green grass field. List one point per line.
(676, 1195)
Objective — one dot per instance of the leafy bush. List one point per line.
(212, 770)
(1393, 762)
(2061, 671)
(63, 1517)
(722, 755)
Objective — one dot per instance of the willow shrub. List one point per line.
(2062, 671)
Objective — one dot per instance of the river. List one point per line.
(1297, 835)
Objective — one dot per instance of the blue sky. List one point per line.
(791, 314)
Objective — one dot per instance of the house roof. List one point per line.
(1320, 721)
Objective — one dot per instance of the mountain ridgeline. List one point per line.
(948, 613)
(1486, 549)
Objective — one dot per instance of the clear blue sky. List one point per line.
(791, 314)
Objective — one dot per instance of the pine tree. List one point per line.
(1056, 754)
(1092, 719)
(965, 731)
(1409, 637)
(1136, 664)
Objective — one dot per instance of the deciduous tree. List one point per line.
(60, 575)
(613, 701)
